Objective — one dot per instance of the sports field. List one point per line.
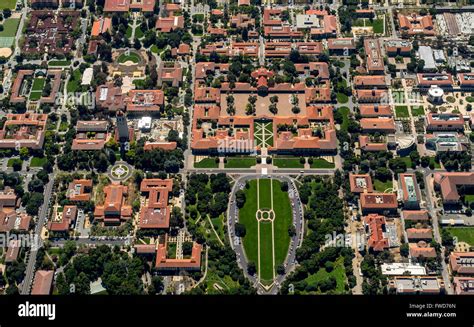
(267, 215)
(7, 36)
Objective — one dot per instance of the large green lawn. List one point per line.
(321, 163)
(10, 26)
(37, 89)
(345, 111)
(338, 273)
(464, 234)
(133, 57)
(240, 162)
(402, 111)
(38, 162)
(382, 186)
(266, 251)
(342, 98)
(288, 163)
(7, 4)
(206, 163)
(417, 111)
(281, 223)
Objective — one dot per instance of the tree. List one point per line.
(404, 249)
(240, 198)
(24, 153)
(280, 270)
(251, 268)
(156, 285)
(240, 230)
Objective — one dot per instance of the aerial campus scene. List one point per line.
(236, 147)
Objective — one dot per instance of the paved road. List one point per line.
(88, 241)
(236, 244)
(276, 172)
(430, 205)
(42, 215)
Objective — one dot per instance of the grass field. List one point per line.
(382, 186)
(464, 234)
(402, 112)
(10, 27)
(7, 4)
(59, 63)
(321, 163)
(240, 162)
(206, 163)
(288, 163)
(342, 98)
(263, 133)
(37, 89)
(38, 162)
(338, 273)
(274, 238)
(345, 117)
(133, 57)
(417, 111)
(74, 82)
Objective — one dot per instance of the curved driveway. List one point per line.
(295, 242)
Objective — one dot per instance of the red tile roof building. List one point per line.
(68, 217)
(374, 57)
(366, 144)
(110, 98)
(382, 124)
(172, 75)
(169, 24)
(426, 80)
(378, 202)
(422, 250)
(375, 226)
(415, 24)
(127, 5)
(462, 263)
(164, 263)
(23, 130)
(444, 122)
(79, 190)
(144, 101)
(155, 213)
(448, 183)
(101, 25)
(341, 46)
(361, 183)
(417, 234)
(463, 285)
(43, 282)
(114, 210)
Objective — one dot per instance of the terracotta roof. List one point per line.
(126, 5)
(360, 183)
(422, 249)
(415, 215)
(155, 213)
(43, 282)
(444, 121)
(101, 25)
(419, 233)
(462, 262)
(375, 110)
(362, 81)
(377, 240)
(448, 183)
(416, 24)
(380, 201)
(164, 263)
(366, 145)
(378, 124)
(79, 190)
